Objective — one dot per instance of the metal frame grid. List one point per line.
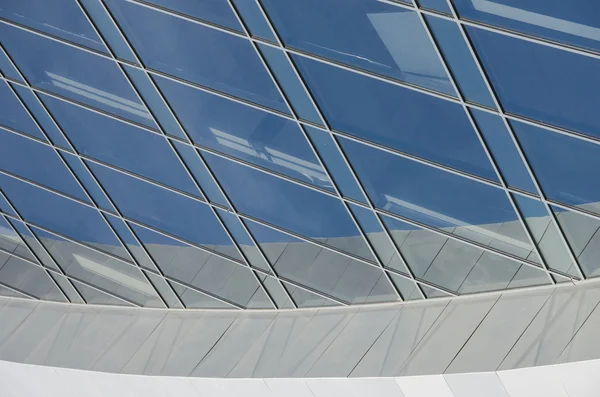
(334, 134)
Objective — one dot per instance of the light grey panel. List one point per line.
(12, 314)
(553, 327)
(585, 345)
(352, 343)
(398, 340)
(475, 385)
(447, 336)
(498, 332)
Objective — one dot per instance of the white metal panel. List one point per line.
(532, 382)
(424, 386)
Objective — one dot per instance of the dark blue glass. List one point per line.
(437, 5)
(504, 150)
(120, 144)
(42, 165)
(13, 114)
(11, 242)
(216, 11)
(396, 117)
(61, 18)
(132, 244)
(73, 73)
(540, 82)
(61, 215)
(7, 68)
(258, 137)
(5, 206)
(572, 22)
(566, 167)
(460, 61)
(439, 199)
(27, 277)
(254, 19)
(197, 53)
(165, 210)
(366, 34)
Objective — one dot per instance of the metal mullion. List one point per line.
(484, 146)
(514, 139)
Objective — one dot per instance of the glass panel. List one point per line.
(439, 199)
(166, 210)
(13, 115)
(437, 5)
(207, 56)
(252, 135)
(304, 298)
(503, 150)
(260, 300)
(546, 235)
(216, 11)
(61, 215)
(7, 68)
(321, 269)
(6, 207)
(73, 73)
(10, 241)
(540, 82)
(396, 117)
(94, 296)
(163, 288)
(61, 18)
(407, 288)
(277, 293)
(122, 145)
(290, 206)
(67, 288)
(130, 241)
(582, 234)
(563, 165)
(459, 59)
(434, 293)
(367, 34)
(289, 83)
(254, 19)
(196, 300)
(190, 265)
(33, 244)
(42, 164)
(378, 238)
(9, 293)
(573, 22)
(100, 270)
(29, 278)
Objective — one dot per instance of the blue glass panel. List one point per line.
(35, 246)
(7, 68)
(132, 244)
(254, 19)
(62, 215)
(13, 115)
(367, 34)
(5, 206)
(321, 269)
(290, 206)
(438, 5)
(42, 166)
(290, 84)
(27, 277)
(572, 22)
(61, 18)
(460, 61)
(337, 167)
(74, 73)
(121, 144)
(504, 151)
(252, 135)
(396, 117)
(11, 242)
(165, 210)
(206, 56)
(565, 167)
(216, 11)
(439, 199)
(541, 82)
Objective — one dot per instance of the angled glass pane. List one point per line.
(107, 273)
(66, 287)
(452, 264)
(582, 234)
(459, 59)
(260, 299)
(407, 288)
(61, 215)
(564, 165)
(437, 5)
(12, 243)
(35, 246)
(304, 298)
(193, 299)
(289, 206)
(163, 288)
(29, 278)
(252, 135)
(439, 199)
(7, 68)
(216, 275)
(13, 114)
(10, 293)
(134, 247)
(6, 207)
(546, 235)
(208, 57)
(366, 34)
(254, 19)
(61, 18)
(277, 293)
(321, 269)
(503, 150)
(396, 117)
(573, 22)
(165, 210)
(43, 165)
(434, 293)
(122, 145)
(73, 73)
(97, 297)
(540, 82)
(215, 11)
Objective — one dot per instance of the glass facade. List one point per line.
(272, 154)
